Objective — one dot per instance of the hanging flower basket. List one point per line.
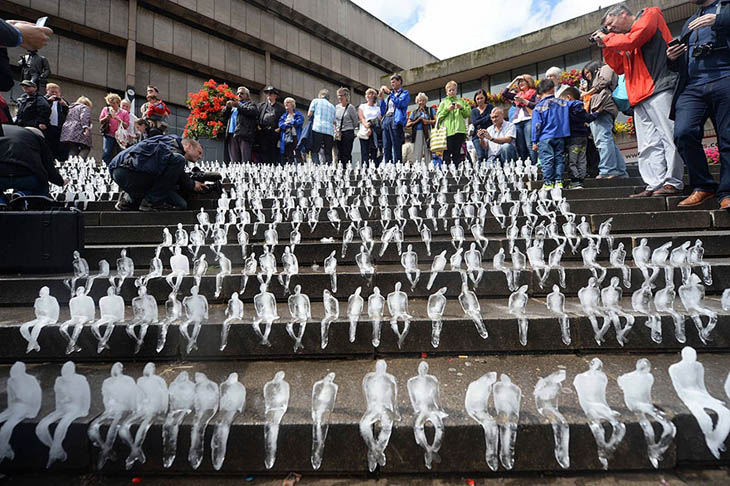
(205, 119)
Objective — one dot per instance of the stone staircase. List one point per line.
(461, 357)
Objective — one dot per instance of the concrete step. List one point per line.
(462, 448)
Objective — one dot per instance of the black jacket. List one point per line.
(269, 121)
(62, 112)
(679, 65)
(33, 110)
(23, 153)
(35, 67)
(247, 118)
(8, 38)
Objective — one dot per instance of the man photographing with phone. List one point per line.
(701, 56)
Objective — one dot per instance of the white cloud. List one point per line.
(453, 27)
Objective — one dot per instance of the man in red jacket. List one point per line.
(636, 46)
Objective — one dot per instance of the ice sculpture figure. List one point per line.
(438, 265)
(181, 236)
(473, 259)
(517, 304)
(591, 388)
(365, 264)
(678, 258)
(547, 398)
(611, 297)
(519, 263)
(637, 395)
(426, 238)
(436, 307)
(173, 313)
(197, 239)
(642, 259)
(265, 305)
(477, 406)
(234, 312)
(205, 406)
(478, 232)
(659, 259)
(555, 302)
(24, 402)
(180, 266)
(111, 310)
(103, 273)
(664, 302)
(144, 308)
(376, 313)
(232, 402)
(688, 378)
(225, 269)
(82, 311)
(196, 311)
(119, 394)
(200, 268)
(398, 308)
(331, 314)
(324, 395)
(590, 301)
(290, 266)
(507, 398)
(725, 300)
(300, 311)
(80, 270)
(276, 400)
(380, 390)
(498, 262)
(156, 270)
(695, 258)
(125, 269)
(423, 391)
(73, 399)
(409, 261)
(182, 400)
(152, 401)
(470, 305)
(617, 258)
(692, 294)
(46, 310)
(590, 254)
(355, 304)
(330, 268)
(250, 267)
(641, 301)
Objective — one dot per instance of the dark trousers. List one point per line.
(153, 188)
(369, 150)
(291, 154)
(576, 155)
(392, 140)
(344, 146)
(269, 152)
(453, 147)
(53, 138)
(694, 106)
(239, 150)
(322, 140)
(29, 185)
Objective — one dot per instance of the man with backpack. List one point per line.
(636, 45)
(152, 173)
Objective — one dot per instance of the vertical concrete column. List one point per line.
(131, 44)
(267, 75)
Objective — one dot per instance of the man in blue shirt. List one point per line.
(323, 125)
(703, 91)
(394, 111)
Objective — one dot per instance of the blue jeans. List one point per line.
(611, 161)
(482, 153)
(392, 140)
(28, 185)
(506, 154)
(694, 106)
(552, 159)
(524, 141)
(111, 148)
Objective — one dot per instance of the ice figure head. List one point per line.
(329, 378)
(615, 281)
(194, 289)
(80, 291)
(397, 286)
(422, 368)
(596, 365)
(297, 289)
(77, 255)
(124, 251)
(180, 226)
(689, 355)
(44, 292)
(142, 290)
(380, 367)
(17, 370)
(111, 291)
(279, 376)
(643, 365)
(117, 369)
(68, 369)
(149, 369)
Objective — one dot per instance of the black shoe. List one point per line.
(125, 203)
(149, 207)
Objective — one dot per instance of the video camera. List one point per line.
(214, 178)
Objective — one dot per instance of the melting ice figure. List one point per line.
(276, 400)
(507, 398)
(517, 305)
(182, 400)
(232, 402)
(436, 307)
(477, 406)
(423, 391)
(196, 311)
(144, 307)
(234, 312)
(300, 311)
(46, 313)
(331, 314)
(111, 310)
(324, 394)
(398, 308)
(556, 304)
(24, 402)
(381, 396)
(547, 398)
(205, 405)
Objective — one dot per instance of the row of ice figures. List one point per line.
(148, 400)
(88, 182)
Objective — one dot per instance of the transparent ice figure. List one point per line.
(267, 264)
(642, 256)
(590, 301)
(119, 394)
(173, 313)
(617, 259)
(196, 311)
(167, 241)
(664, 302)
(536, 257)
(470, 304)
(300, 311)
(125, 269)
(330, 268)
(409, 262)
(104, 273)
(688, 378)
(641, 301)
(498, 262)
(144, 309)
(197, 239)
(181, 395)
(637, 395)
(334, 218)
(423, 391)
(152, 400)
(264, 304)
(507, 398)
(556, 304)
(233, 312)
(24, 402)
(547, 398)
(591, 388)
(398, 308)
(725, 300)
(250, 267)
(604, 231)
(46, 311)
(290, 266)
(513, 232)
(205, 405)
(457, 234)
(324, 395)
(678, 258)
(438, 265)
(496, 210)
(695, 259)
(455, 260)
(200, 268)
(611, 298)
(80, 270)
(436, 307)
(426, 238)
(590, 254)
(111, 310)
(156, 270)
(331, 314)
(181, 236)
(73, 399)
(659, 259)
(473, 259)
(366, 235)
(380, 390)
(692, 294)
(347, 238)
(225, 269)
(571, 235)
(365, 264)
(180, 268)
(519, 263)
(276, 400)
(477, 406)
(271, 236)
(517, 304)
(232, 402)
(376, 313)
(477, 230)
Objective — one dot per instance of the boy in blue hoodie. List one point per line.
(550, 128)
(576, 144)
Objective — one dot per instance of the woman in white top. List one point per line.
(369, 114)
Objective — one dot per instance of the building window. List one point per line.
(530, 69)
(469, 88)
(499, 81)
(542, 67)
(577, 60)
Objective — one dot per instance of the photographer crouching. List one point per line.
(701, 56)
(152, 174)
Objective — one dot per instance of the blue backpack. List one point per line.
(620, 96)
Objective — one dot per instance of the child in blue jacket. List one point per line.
(550, 128)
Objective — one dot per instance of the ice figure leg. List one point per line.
(375, 338)
(522, 324)
(598, 333)
(333, 282)
(30, 332)
(491, 442)
(197, 436)
(436, 326)
(319, 435)
(565, 329)
(679, 330)
(386, 428)
(668, 275)
(626, 271)
(6, 432)
(481, 329)
(244, 281)
(219, 442)
(621, 332)
(401, 335)
(324, 331)
(654, 323)
(71, 338)
(706, 273)
(561, 435)
(263, 335)
(41, 430)
(224, 332)
(56, 452)
(125, 433)
(102, 338)
(508, 435)
(366, 432)
(297, 337)
(192, 339)
(162, 338)
(137, 454)
(219, 284)
(170, 430)
(271, 437)
(669, 430)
